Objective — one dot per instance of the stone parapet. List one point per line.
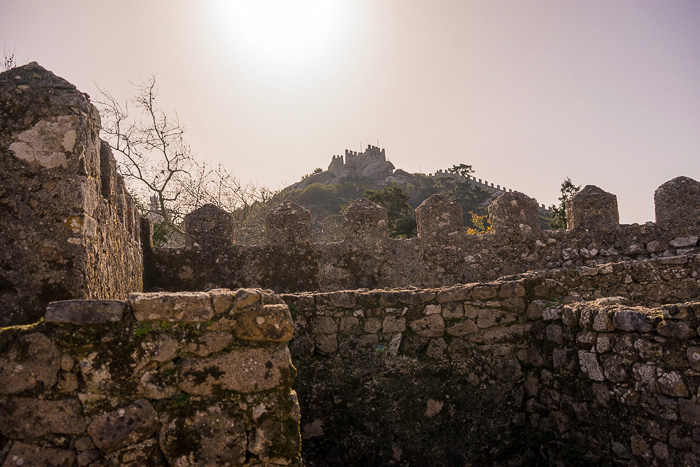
(477, 372)
(158, 379)
(68, 227)
(443, 253)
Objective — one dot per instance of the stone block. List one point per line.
(209, 227)
(28, 418)
(85, 311)
(324, 325)
(365, 222)
(221, 300)
(676, 329)
(30, 361)
(462, 328)
(457, 293)
(23, 454)
(268, 323)
(393, 324)
(592, 209)
(245, 298)
(514, 213)
(244, 371)
(122, 427)
(416, 297)
(429, 326)
(677, 206)
(220, 440)
(632, 320)
(690, 411)
(209, 343)
(453, 310)
(590, 366)
(349, 325)
(181, 306)
(288, 224)
(439, 219)
(343, 299)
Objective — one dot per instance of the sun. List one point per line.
(292, 37)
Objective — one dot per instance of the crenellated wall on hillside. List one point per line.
(161, 379)
(441, 255)
(68, 228)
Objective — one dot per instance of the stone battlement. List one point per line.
(371, 163)
(69, 228)
(441, 255)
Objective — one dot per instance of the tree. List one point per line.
(463, 170)
(557, 219)
(402, 218)
(157, 163)
(480, 222)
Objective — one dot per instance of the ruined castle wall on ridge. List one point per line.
(161, 379)
(68, 228)
(442, 254)
(582, 361)
(523, 346)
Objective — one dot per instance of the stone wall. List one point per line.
(442, 254)
(162, 379)
(568, 365)
(68, 228)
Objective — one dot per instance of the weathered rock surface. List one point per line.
(30, 361)
(23, 454)
(68, 227)
(85, 312)
(184, 306)
(247, 370)
(27, 418)
(221, 441)
(124, 426)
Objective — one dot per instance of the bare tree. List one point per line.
(9, 59)
(158, 164)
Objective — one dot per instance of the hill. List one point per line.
(325, 193)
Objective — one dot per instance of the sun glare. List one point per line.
(291, 37)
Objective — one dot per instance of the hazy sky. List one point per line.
(529, 92)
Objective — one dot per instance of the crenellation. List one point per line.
(365, 223)
(592, 209)
(514, 213)
(439, 218)
(677, 206)
(288, 224)
(208, 227)
(516, 244)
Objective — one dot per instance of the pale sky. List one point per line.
(528, 92)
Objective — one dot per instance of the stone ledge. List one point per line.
(85, 311)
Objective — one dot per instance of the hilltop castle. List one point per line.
(372, 164)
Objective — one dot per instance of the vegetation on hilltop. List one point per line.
(406, 192)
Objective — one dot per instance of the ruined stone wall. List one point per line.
(162, 379)
(68, 228)
(536, 369)
(442, 254)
